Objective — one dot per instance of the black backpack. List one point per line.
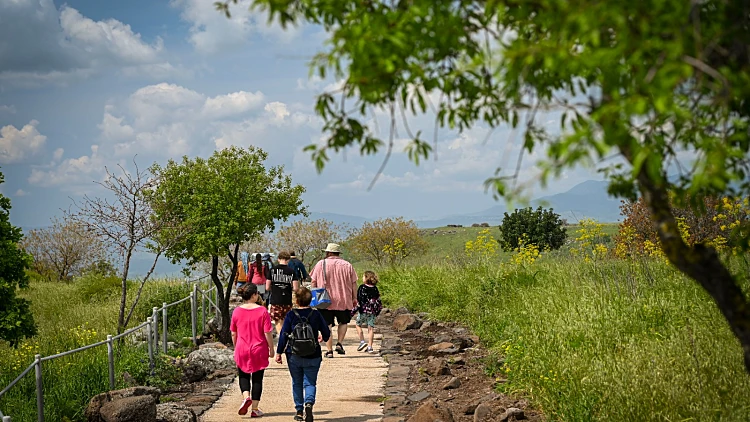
(302, 339)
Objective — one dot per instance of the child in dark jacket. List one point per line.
(368, 298)
(303, 369)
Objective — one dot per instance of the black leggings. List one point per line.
(257, 383)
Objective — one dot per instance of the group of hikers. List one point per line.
(300, 327)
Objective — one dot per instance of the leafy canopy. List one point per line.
(541, 227)
(227, 199)
(16, 320)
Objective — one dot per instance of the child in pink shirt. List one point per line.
(253, 346)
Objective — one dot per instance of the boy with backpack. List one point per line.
(299, 340)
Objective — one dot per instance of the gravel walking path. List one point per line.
(350, 389)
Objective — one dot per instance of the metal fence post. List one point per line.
(155, 319)
(194, 314)
(149, 322)
(39, 389)
(111, 359)
(164, 326)
(203, 311)
(6, 419)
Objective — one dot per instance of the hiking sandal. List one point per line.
(340, 349)
(329, 354)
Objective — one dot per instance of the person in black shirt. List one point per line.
(368, 299)
(283, 281)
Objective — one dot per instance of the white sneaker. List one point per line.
(362, 346)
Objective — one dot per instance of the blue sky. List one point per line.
(86, 84)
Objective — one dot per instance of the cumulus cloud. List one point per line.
(70, 173)
(19, 144)
(212, 32)
(41, 44)
(21, 192)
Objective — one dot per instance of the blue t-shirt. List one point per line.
(299, 268)
(316, 321)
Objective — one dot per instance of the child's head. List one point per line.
(304, 296)
(247, 291)
(370, 278)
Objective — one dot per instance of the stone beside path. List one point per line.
(350, 389)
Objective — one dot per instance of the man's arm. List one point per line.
(234, 338)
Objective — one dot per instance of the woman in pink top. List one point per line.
(253, 345)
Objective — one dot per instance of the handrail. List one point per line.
(109, 340)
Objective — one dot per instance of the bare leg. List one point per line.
(342, 332)
(329, 343)
(370, 335)
(361, 333)
(256, 404)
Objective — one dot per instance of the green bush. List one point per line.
(542, 228)
(614, 341)
(178, 316)
(95, 287)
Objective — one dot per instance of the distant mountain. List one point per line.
(351, 220)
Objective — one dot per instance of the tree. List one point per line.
(543, 228)
(16, 320)
(662, 86)
(126, 223)
(388, 241)
(308, 238)
(225, 200)
(64, 250)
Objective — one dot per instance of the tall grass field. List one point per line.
(606, 340)
(71, 315)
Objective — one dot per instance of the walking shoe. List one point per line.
(362, 346)
(340, 349)
(329, 354)
(370, 350)
(308, 412)
(246, 403)
(300, 416)
(256, 413)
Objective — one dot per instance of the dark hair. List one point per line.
(292, 254)
(284, 255)
(247, 291)
(370, 278)
(258, 262)
(304, 296)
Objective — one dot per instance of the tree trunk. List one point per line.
(700, 263)
(124, 293)
(223, 301)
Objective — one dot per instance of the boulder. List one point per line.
(214, 345)
(512, 412)
(406, 322)
(431, 412)
(212, 359)
(482, 412)
(172, 412)
(93, 410)
(193, 372)
(400, 311)
(130, 409)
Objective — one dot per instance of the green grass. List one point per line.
(614, 341)
(70, 315)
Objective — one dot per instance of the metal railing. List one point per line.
(152, 340)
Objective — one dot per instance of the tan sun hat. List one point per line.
(333, 247)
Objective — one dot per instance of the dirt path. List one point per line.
(350, 389)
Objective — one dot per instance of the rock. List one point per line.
(212, 359)
(425, 325)
(423, 315)
(430, 412)
(406, 322)
(378, 336)
(130, 409)
(469, 409)
(437, 367)
(482, 412)
(212, 326)
(172, 412)
(424, 379)
(418, 396)
(400, 311)
(214, 345)
(452, 384)
(193, 372)
(443, 338)
(171, 345)
(450, 351)
(460, 330)
(385, 311)
(404, 352)
(474, 339)
(93, 410)
(511, 412)
(440, 346)
(457, 362)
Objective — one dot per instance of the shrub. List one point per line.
(388, 241)
(543, 228)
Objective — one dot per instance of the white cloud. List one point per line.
(21, 192)
(212, 32)
(57, 156)
(71, 173)
(19, 144)
(229, 105)
(40, 44)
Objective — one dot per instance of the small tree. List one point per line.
(308, 238)
(543, 227)
(16, 320)
(64, 250)
(128, 225)
(226, 200)
(388, 240)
